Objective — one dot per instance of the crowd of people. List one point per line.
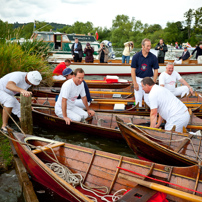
(74, 96)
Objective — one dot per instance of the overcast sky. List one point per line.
(99, 12)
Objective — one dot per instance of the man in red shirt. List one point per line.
(59, 68)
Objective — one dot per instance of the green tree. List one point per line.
(189, 17)
(121, 30)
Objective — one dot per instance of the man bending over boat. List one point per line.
(142, 65)
(170, 108)
(168, 80)
(12, 84)
(65, 106)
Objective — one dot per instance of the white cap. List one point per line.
(34, 77)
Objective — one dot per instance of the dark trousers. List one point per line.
(76, 58)
(161, 59)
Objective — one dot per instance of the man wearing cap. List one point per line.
(57, 72)
(65, 106)
(185, 56)
(168, 80)
(68, 74)
(10, 85)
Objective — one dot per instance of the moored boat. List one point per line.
(119, 69)
(167, 147)
(86, 167)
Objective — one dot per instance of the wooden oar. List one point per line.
(162, 188)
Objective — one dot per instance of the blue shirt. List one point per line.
(144, 66)
(87, 92)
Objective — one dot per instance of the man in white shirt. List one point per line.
(65, 106)
(170, 108)
(10, 85)
(168, 80)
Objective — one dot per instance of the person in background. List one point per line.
(89, 53)
(57, 72)
(142, 65)
(77, 52)
(10, 85)
(65, 106)
(185, 56)
(103, 53)
(128, 47)
(68, 74)
(169, 107)
(168, 80)
(162, 48)
(198, 51)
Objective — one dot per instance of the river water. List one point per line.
(9, 187)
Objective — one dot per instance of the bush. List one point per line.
(14, 58)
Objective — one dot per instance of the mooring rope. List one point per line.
(13, 120)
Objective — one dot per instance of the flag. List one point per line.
(96, 35)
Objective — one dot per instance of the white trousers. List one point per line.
(179, 62)
(140, 94)
(79, 103)
(10, 102)
(181, 91)
(199, 59)
(179, 121)
(75, 113)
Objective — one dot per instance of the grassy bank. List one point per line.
(6, 156)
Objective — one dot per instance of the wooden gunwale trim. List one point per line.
(197, 179)
(199, 146)
(132, 163)
(116, 174)
(89, 165)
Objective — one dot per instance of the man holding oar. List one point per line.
(142, 65)
(10, 85)
(65, 105)
(169, 107)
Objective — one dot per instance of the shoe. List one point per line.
(4, 130)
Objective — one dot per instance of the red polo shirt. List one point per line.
(59, 69)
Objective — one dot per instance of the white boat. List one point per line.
(119, 69)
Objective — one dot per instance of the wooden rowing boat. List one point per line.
(98, 84)
(98, 93)
(103, 124)
(98, 169)
(160, 146)
(116, 106)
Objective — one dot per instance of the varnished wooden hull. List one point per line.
(102, 124)
(159, 146)
(100, 85)
(100, 169)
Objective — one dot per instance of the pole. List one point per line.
(26, 114)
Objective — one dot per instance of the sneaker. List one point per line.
(4, 130)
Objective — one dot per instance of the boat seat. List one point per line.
(186, 61)
(45, 148)
(119, 107)
(137, 194)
